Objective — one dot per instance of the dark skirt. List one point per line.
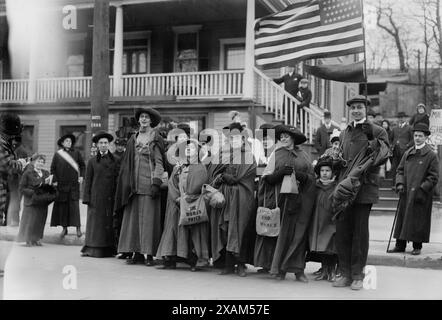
(66, 214)
(264, 251)
(103, 252)
(141, 226)
(32, 223)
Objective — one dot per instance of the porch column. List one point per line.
(248, 84)
(33, 64)
(118, 52)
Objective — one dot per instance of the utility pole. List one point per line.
(100, 68)
(419, 66)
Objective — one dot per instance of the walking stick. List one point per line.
(394, 221)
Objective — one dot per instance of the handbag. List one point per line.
(289, 184)
(212, 195)
(268, 221)
(192, 212)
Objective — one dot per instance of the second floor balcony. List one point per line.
(188, 85)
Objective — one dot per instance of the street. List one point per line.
(37, 273)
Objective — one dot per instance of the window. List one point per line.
(136, 56)
(232, 54)
(79, 131)
(75, 65)
(186, 48)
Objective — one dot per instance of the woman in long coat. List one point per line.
(138, 190)
(34, 216)
(233, 226)
(68, 169)
(191, 242)
(99, 192)
(296, 209)
(417, 175)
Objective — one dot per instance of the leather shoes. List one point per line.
(64, 232)
(416, 252)
(125, 255)
(149, 261)
(395, 250)
(301, 277)
(357, 285)
(280, 276)
(136, 258)
(342, 282)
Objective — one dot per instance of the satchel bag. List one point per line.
(194, 212)
(268, 221)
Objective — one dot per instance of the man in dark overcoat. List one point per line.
(68, 169)
(352, 236)
(322, 139)
(402, 141)
(417, 175)
(99, 193)
(291, 81)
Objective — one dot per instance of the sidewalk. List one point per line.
(380, 227)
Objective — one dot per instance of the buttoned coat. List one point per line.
(353, 139)
(416, 171)
(99, 193)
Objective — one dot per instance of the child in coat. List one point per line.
(323, 229)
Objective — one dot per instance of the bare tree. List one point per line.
(386, 21)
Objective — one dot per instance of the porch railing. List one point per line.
(13, 90)
(284, 106)
(189, 85)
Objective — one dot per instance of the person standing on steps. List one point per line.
(322, 139)
(417, 176)
(68, 169)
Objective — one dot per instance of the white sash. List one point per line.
(67, 157)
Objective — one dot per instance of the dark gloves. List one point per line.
(400, 188)
(302, 177)
(367, 129)
(155, 188)
(279, 174)
(229, 179)
(421, 195)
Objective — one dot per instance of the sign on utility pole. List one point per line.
(100, 68)
(435, 140)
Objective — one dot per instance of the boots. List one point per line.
(229, 266)
(242, 270)
(324, 274)
(332, 274)
(64, 232)
(136, 258)
(79, 234)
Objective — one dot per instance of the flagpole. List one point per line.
(365, 53)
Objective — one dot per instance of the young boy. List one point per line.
(323, 229)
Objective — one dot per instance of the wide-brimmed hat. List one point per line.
(102, 134)
(66, 136)
(324, 161)
(155, 116)
(359, 98)
(422, 127)
(297, 135)
(401, 114)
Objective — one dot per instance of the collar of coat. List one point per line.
(424, 150)
(351, 125)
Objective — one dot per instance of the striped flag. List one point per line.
(308, 30)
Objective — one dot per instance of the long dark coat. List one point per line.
(233, 226)
(323, 229)
(352, 141)
(291, 82)
(296, 213)
(34, 217)
(66, 211)
(414, 172)
(322, 139)
(99, 192)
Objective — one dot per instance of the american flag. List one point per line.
(307, 30)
